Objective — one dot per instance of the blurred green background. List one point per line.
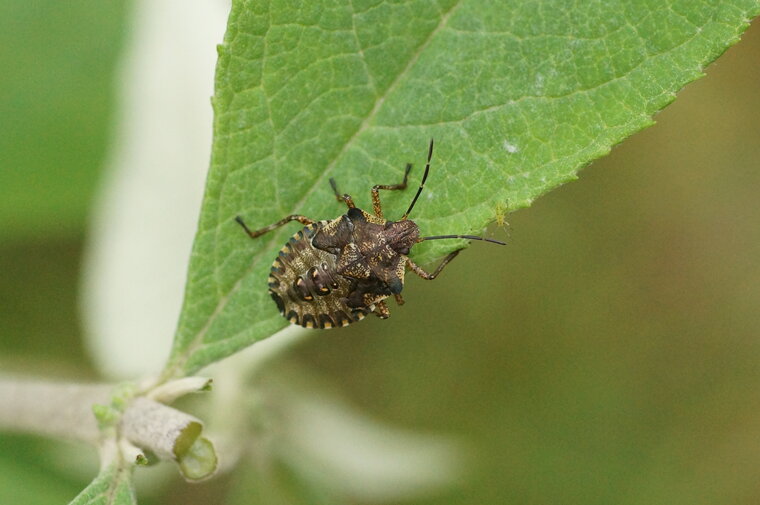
(609, 354)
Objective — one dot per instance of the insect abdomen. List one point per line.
(306, 287)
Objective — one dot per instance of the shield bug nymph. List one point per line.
(332, 273)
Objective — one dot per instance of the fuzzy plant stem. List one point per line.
(51, 409)
(65, 411)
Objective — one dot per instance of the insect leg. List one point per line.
(376, 191)
(399, 299)
(341, 198)
(257, 233)
(428, 276)
(381, 310)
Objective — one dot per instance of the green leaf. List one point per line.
(518, 96)
(113, 486)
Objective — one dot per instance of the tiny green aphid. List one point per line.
(333, 273)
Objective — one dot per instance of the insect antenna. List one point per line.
(422, 184)
(469, 237)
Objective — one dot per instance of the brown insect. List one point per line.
(332, 273)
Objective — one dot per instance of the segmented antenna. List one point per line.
(469, 237)
(422, 184)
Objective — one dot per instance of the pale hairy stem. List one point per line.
(65, 411)
(51, 409)
(164, 430)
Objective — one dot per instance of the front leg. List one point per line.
(428, 276)
(376, 206)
